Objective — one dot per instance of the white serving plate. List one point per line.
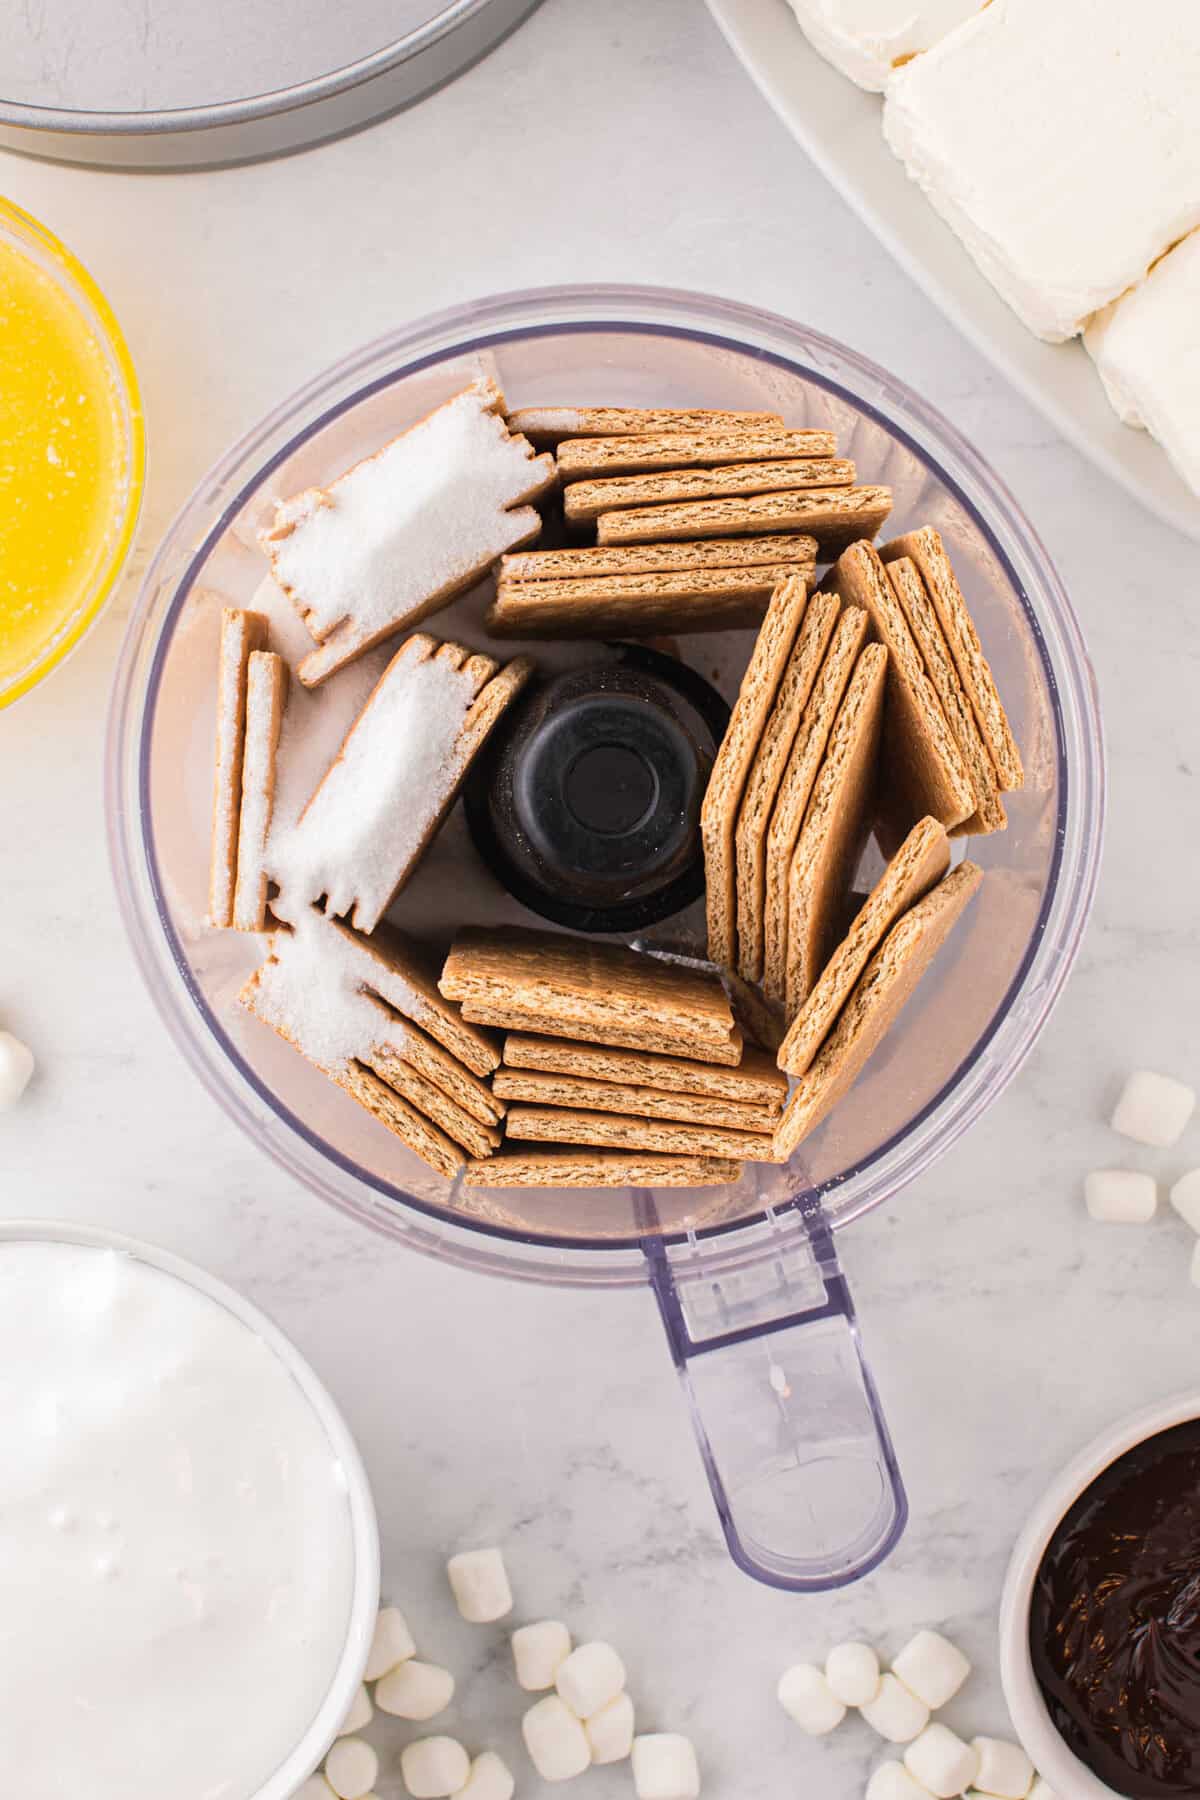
(838, 125)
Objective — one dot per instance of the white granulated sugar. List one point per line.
(408, 524)
(313, 991)
(357, 837)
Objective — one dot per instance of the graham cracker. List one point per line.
(599, 1169)
(926, 549)
(989, 814)
(654, 1039)
(402, 1119)
(434, 1103)
(242, 633)
(635, 605)
(795, 789)
(587, 459)
(409, 1044)
(584, 501)
(836, 827)
(586, 560)
(762, 1021)
(756, 1080)
(616, 1131)
(923, 765)
(266, 697)
(919, 863)
(718, 814)
(834, 516)
(395, 969)
(878, 998)
(766, 773)
(550, 424)
(573, 1091)
(580, 987)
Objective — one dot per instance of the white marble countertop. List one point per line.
(619, 141)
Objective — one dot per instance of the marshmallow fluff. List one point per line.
(177, 1560)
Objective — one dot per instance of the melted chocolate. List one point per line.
(1114, 1624)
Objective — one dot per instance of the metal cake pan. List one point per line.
(161, 84)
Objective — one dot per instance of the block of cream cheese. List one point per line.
(1060, 144)
(866, 39)
(1147, 349)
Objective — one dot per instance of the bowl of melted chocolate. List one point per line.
(1100, 1623)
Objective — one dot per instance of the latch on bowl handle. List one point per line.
(764, 1336)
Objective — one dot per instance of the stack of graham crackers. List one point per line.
(684, 520)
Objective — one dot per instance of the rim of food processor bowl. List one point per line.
(55, 260)
(364, 1527)
(798, 1228)
(1051, 1754)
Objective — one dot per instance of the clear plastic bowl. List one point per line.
(977, 1013)
(363, 1601)
(24, 233)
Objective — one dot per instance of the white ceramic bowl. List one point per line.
(303, 1757)
(1069, 1778)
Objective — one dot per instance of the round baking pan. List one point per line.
(199, 82)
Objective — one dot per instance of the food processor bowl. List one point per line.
(758, 1316)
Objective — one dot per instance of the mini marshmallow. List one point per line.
(361, 1713)
(490, 1779)
(852, 1671)
(351, 1768)
(941, 1763)
(538, 1653)
(1041, 1790)
(589, 1678)
(480, 1583)
(1185, 1198)
(315, 1788)
(896, 1713)
(555, 1739)
(932, 1668)
(892, 1781)
(1004, 1769)
(16, 1068)
(1153, 1109)
(392, 1644)
(416, 1690)
(434, 1767)
(665, 1767)
(807, 1697)
(1120, 1196)
(610, 1731)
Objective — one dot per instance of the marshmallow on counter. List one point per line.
(490, 1779)
(1041, 1790)
(932, 1668)
(1004, 1769)
(941, 1763)
(351, 1768)
(1185, 1198)
(361, 1713)
(665, 1767)
(434, 1768)
(538, 1652)
(589, 1678)
(852, 1671)
(896, 1713)
(1153, 1109)
(865, 39)
(480, 1583)
(392, 1644)
(415, 1690)
(609, 1732)
(892, 1781)
(16, 1067)
(1120, 1196)
(1145, 348)
(555, 1739)
(806, 1696)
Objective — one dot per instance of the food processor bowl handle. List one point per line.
(764, 1336)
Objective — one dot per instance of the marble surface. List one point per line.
(620, 141)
